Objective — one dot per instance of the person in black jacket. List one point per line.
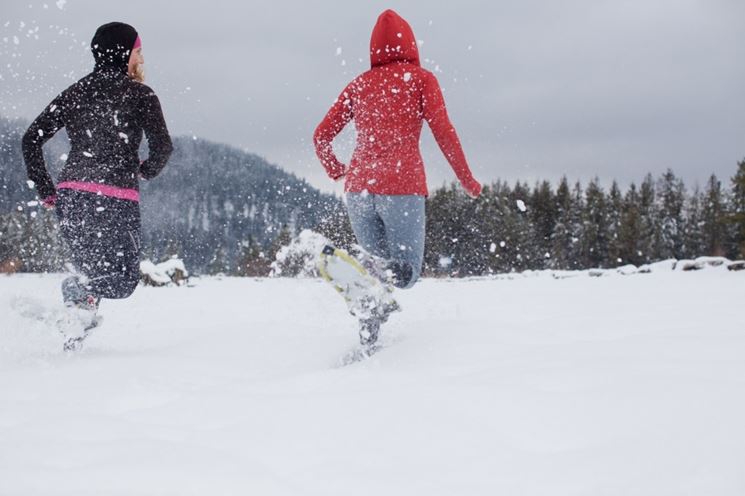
(97, 192)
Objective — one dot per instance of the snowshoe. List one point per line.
(367, 298)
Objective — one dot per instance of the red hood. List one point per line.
(392, 40)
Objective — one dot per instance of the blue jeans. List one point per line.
(391, 227)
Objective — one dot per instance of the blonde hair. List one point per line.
(138, 74)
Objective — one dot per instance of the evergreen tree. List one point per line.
(613, 219)
(737, 216)
(472, 254)
(462, 251)
(543, 217)
(630, 229)
(671, 202)
(595, 235)
(517, 222)
(694, 245)
(478, 239)
(648, 221)
(561, 238)
(500, 260)
(576, 228)
(712, 216)
(493, 226)
(441, 234)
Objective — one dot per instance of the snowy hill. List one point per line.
(612, 385)
(210, 200)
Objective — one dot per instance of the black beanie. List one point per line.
(112, 45)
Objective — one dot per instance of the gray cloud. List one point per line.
(536, 89)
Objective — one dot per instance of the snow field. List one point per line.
(616, 385)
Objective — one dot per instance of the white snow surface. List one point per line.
(618, 385)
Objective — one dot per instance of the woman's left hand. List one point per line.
(472, 187)
(49, 201)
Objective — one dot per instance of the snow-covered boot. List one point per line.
(73, 291)
(80, 315)
(374, 265)
(389, 272)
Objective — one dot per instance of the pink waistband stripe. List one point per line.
(102, 189)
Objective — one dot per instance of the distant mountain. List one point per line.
(212, 200)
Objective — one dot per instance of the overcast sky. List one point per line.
(536, 89)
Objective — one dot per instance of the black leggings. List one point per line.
(103, 236)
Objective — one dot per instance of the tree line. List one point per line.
(508, 228)
(519, 227)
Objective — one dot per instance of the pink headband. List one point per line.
(138, 43)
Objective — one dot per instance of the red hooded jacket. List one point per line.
(387, 104)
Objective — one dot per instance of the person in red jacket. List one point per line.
(385, 182)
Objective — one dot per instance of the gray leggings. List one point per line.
(390, 227)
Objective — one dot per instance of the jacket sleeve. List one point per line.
(337, 117)
(159, 142)
(435, 113)
(41, 130)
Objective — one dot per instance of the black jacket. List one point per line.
(105, 114)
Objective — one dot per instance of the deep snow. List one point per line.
(616, 385)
